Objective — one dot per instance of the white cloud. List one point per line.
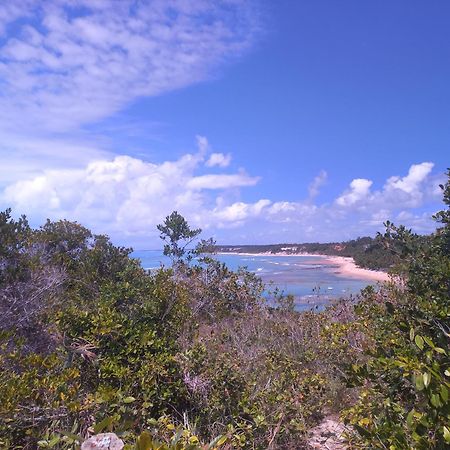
(238, 212)
(126, 197)
(25, 156)
(359, 190)
(411, 182)
(11, 11)
(202, 144)
(70, 63)
(212, 181)
(317, 183)
(219, 159)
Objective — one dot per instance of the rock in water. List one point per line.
(104, 441)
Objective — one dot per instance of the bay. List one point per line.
(311, 280)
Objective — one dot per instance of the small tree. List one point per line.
(177, 234)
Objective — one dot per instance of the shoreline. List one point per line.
(345, 266)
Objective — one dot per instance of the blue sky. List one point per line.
(259, 121)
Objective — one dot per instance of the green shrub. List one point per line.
(404, 400)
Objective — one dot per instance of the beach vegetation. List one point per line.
(194, 356)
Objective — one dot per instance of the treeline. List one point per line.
(193, 357)
(368, 252)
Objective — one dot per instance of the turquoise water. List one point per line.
(307, 278)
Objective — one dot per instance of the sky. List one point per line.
(259, 121)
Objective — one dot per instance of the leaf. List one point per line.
(435, 400)
(446, 434)
(361, 430)
(106, 422)
(144, 441)
(411, 334)
(410, 418)
(177, 437)
(426, 379)
(222, 440)
(429, 341)
(54, 441)
(419, 382)
(419, 341)
(72, 436)
(219, 440)
(129, 399)
(444, 393)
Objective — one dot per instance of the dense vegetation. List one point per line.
(366, 251)
(191, 354)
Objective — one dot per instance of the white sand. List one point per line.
(346, 266)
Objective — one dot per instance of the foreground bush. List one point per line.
(404, 400)
(93, 343)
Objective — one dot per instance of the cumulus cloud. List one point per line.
(238, 212)
(126, 197)
(359, 190)
(411, 182)
(219, 159)
(125, 194)
(68, 63)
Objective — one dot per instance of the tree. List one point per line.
(177, 234)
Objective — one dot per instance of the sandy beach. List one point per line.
(348, 268)
(345, 266)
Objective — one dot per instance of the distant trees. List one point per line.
(367, 252)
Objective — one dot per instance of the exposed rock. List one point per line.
(104, 441)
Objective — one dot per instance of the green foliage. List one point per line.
(90, 343)
(13, 239)
(177, 234)
(165, 435)
(404, 401)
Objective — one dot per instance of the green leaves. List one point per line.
(419, 341)
(408, 337)
(177, 234)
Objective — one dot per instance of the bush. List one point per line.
(404, 400)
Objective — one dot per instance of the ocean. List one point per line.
(312, 282)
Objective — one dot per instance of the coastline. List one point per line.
(345, 266)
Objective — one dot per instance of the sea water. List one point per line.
(310, 279)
